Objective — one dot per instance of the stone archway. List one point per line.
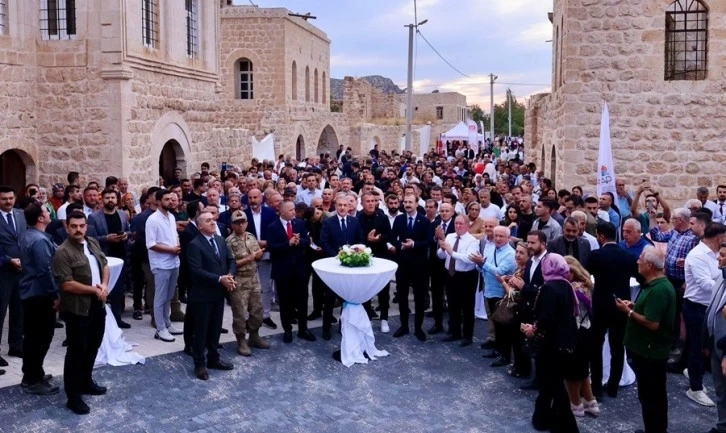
(328, 142)
(15, 166)
(171, 157)
(300, 148)
(553, 162)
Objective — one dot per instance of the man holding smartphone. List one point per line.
(652, 201)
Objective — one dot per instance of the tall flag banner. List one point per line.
(473, 135)
(605, 167)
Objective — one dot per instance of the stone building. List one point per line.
(448, 107)
(136, 88)
(661, 66)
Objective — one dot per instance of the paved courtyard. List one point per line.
(421, 387)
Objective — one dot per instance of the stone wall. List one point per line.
(452, 103)
(669, 132)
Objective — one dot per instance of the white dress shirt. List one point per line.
(535, 264)
(491, 211)
(718, 210)
(468, 245)
(95, 266)
(593, 241)
(161, 230)
(701, 271)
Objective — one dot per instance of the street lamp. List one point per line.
(409, 89)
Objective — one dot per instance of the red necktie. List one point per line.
(289, 230)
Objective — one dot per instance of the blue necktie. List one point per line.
(410, 224)
(344, 228)
(214, 246)
(11, 223)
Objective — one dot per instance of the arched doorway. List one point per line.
(553, 173)
(13, 170)
(300, 148)
(171, 157)
(328, 142)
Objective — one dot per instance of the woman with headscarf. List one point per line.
(555, 331)
(42, 197)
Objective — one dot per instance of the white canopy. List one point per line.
(459, 132)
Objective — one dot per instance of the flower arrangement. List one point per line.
(355, 256)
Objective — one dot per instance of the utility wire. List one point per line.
(439, 54)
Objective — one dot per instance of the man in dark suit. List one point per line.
(570, 243)
(443, 225)
(12, 233)
(187, 235)
(612, 268)
(287, 240)
(212, 268)
(411, 237)
(259, 219)
(338, 230)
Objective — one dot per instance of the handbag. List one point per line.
(506, 310)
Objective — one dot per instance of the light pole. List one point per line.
(409, 89)
(509, 103)
(492, 79)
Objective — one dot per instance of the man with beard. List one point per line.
(112, 229)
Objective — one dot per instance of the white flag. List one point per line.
(605, 168)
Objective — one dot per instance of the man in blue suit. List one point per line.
(287, 240)
(410, 236)
(338, 230)
(212, 268)
(259, 219)
(12, 233)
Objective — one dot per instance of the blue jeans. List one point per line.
(693, 316)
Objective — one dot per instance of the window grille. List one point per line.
(192, 28)
(440, 113)
(686, 40)
(246, 85)
(57, 19)
(150, 23)
(3, 17)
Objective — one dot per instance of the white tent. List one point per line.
(459, 132)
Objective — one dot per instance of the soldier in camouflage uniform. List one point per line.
(246, 299)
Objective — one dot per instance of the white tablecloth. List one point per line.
(114, 349)
(356, 286)
(628, 377)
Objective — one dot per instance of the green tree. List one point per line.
(501, 117)
(477, 114)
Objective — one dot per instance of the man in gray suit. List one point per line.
(716, 339)
(112, 232)
(570, 243)
(12, 232)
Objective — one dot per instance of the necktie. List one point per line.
(443, 226)
(214, 246)
(720, 207)
(10, 222)
(289, 230)
(452, 262)
(410, 223)
(343, 226)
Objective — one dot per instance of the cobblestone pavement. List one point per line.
(421, 387)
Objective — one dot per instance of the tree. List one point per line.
(501, 118)
(477, 114)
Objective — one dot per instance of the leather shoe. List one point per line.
(306, 335)
(287, 337)
(500, 362)
(220, 365)
(15, 353)
(612, 391)
(201, 373)
(78, 406)
(2, 372)
(465, 342)
(436, 329)
(123, 325)
(188, 350)
(489, 344)
(400, 332)
(224, 331)
(450, 339)
(491, 355)
(326, 334)
(94, 389)
(3, 362)
(45, 378)
(420, 334)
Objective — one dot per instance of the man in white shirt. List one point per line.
(719, 206)
(162, 242)
(461, 280)
(310, 192)
(701, 270)
(72, 194)
(488, 210)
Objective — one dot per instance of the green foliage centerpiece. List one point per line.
(355, 256)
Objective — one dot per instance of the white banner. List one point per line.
(483, 133)
(403, 143)
(424, 137)
(605, 168)
(473, 135)
(264, 149)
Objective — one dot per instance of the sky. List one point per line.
(505, 37)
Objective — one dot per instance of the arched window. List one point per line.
(686, 40)
(244, 79)
(294, 81)
(315, 77)
(307, 83)
(325, 89)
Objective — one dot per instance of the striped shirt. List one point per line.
(679, 245)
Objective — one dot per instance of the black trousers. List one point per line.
(461, 291)
(181, 282)
(207, 325)
(552, 407)
(10, 302)
(501, 334)
(84, 335)
(38, 328)
(384, 299)
(409, 275)
(439, 281)
(614, 325)
(329, 298)
(319, 294)
(139, 281)
(522, 361)
(292, 294)
(650, 376)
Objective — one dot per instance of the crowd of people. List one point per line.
(553, 269)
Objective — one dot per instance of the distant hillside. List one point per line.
(386, 85)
